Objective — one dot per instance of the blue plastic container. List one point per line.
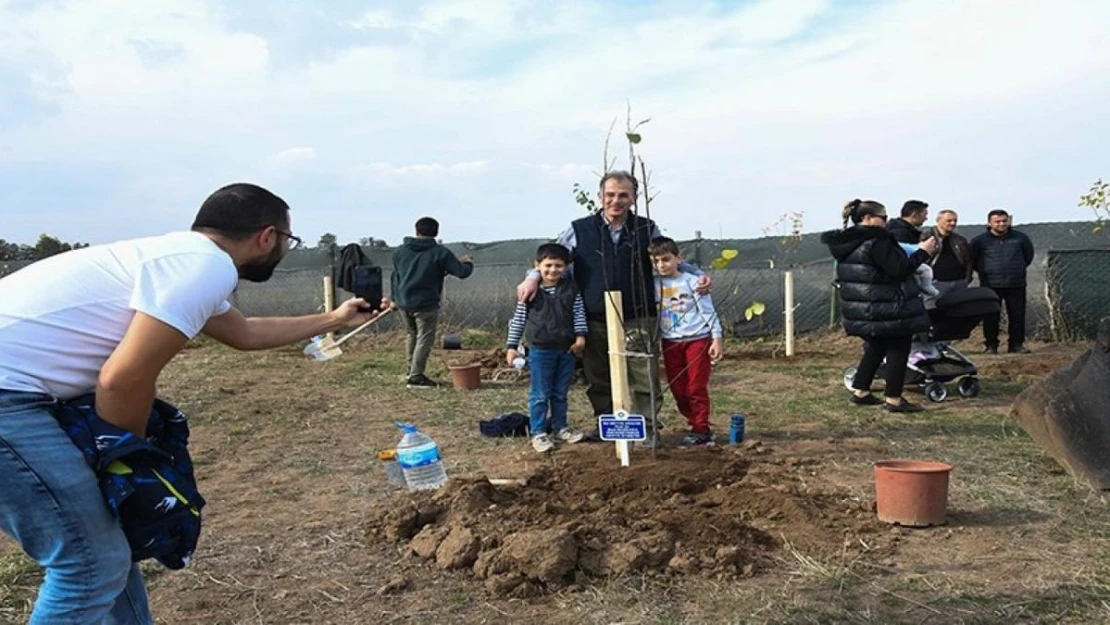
(736, 430)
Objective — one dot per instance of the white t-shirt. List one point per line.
(61, 317)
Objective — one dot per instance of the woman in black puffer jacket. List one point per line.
(878, 299)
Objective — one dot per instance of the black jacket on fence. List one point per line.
(419, 267)
(351, 257)
(1001, 261)
(878, 295)
(601, 265)
(903, 231)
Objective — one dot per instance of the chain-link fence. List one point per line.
(1077, 291)
(1067, 289)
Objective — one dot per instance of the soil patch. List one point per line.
(715, 512)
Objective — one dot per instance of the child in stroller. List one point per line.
(933, 361)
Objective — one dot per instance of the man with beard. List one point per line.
(907, 228)
(1001, 257)
(109, 318)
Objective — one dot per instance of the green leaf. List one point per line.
(633, 137)
(729, 254)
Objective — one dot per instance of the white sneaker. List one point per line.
(543, 443)
(568, 435)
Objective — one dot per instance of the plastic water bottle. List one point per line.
(419, 458)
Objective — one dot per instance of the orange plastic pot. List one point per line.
(913, 493)
(466, 377)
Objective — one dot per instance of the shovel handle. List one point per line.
(362, 327)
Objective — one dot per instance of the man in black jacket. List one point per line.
(907, 229)
(952, 264)
(419, 267)
(1000, 257)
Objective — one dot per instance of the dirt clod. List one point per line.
(427, 541)
(458, 550)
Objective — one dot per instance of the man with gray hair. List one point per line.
(952, 265)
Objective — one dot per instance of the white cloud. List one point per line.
(421, 170)
(292, 156)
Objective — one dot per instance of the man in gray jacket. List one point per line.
(1000, 257)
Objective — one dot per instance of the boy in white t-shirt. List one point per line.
(692, 338)
(108, 319)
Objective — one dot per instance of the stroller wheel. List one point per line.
(936, 392)
(968, 387)
(849, 377)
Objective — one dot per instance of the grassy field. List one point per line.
(284, 448)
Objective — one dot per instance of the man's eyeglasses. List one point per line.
(294, 240)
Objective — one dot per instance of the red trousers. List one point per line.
(688, 367)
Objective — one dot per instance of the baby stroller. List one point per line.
(933, 361)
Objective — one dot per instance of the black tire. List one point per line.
(936, 392)
(968, 387)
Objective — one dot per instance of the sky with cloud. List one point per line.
(117, 118)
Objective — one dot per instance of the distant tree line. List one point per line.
(46, 246)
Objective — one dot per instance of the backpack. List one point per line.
(148, 483)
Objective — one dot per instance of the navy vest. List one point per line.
(601, 265)
(550, 322)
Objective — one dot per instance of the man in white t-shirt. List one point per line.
(108, 319)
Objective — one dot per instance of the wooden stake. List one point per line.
(618, 364)
(788, 313)
(329, 300)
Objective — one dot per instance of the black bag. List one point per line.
(507, 425)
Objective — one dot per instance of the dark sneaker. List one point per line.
(991, 349)
(1019, 349)
(421, 381)
(903, 406)
(695, 439)
(866, 400)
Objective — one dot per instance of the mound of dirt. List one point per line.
(715, 512)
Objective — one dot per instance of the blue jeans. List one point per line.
(51, 505)
(552, 371)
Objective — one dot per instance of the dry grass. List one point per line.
(284, 448)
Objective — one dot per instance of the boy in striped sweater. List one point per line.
(554, 327)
